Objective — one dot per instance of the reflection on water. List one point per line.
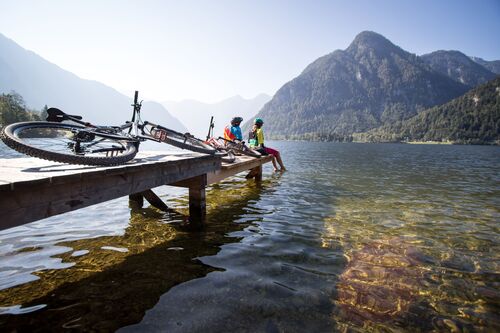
(113, 280)
(380, 238)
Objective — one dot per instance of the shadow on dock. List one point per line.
(117, 279)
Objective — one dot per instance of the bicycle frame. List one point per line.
(135, 130)
(80, 142)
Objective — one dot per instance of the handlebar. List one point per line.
(210, 128)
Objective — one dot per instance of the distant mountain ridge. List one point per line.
(459, 67)
(372, 89)
(371, 83)
(196, 115)
(43, 83)
(493, 66)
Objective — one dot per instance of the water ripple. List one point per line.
(352, 238)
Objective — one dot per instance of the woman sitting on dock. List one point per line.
(256, 141)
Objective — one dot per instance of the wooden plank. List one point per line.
(243, 163)
(32, 189)
(33, 195)
(18, 170)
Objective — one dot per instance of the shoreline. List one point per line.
(429, 142)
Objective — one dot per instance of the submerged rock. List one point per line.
(382, 285)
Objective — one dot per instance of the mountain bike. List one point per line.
(66, 138)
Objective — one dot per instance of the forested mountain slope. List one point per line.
(473, 118)
(371, 83)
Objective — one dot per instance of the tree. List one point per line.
(43, 114)
(13, 109)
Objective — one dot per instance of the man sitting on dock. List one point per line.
(233, 132)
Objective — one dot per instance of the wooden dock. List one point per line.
(32, 189)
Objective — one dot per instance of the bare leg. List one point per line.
(274, 163)
(278, 157)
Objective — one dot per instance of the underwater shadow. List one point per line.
(113, 286)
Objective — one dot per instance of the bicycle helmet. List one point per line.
(236, 120)
(259, 121)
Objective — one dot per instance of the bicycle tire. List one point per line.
(54, 141)
(182, 141)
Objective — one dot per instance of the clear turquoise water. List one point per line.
(355, 237)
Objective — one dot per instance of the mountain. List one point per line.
(196, 115)
(459, 67)
(43, 83)
(493, 66)
(473, 118)
(371, 83)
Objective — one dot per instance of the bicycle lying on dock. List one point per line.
(79, 142)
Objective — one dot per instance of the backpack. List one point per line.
(252, 139)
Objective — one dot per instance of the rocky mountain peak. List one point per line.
(367, 41)
(371, 83)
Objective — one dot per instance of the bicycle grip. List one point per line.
(136, 97)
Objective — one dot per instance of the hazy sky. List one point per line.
(210, 50)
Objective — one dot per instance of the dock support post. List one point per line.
(255, 173)
(197, 200)
(137, 199)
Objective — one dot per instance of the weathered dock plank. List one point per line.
(32, 189)
(242, 163)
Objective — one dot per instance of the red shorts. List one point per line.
(273, 152)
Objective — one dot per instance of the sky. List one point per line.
(209, 50)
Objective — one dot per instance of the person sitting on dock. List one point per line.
(256, 141)
(233, 132)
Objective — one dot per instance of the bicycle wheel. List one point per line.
(184, 141)
(67, 143)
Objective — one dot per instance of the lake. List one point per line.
(354, 237)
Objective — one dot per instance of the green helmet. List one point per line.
(259, 121)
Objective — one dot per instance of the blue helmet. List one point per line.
(259, 121)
